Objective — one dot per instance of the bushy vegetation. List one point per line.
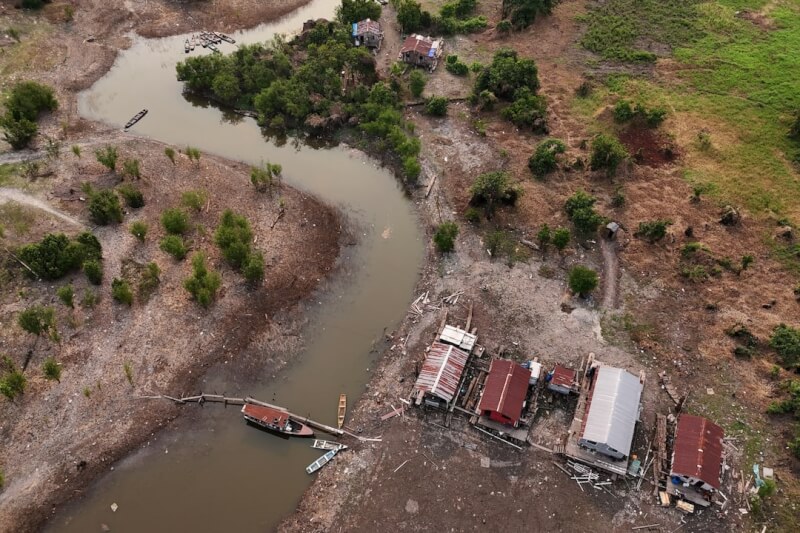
(107, 157)
(545, 158)
(93, 269)
(133, 196)
(624, 111)
(514, 80)
(234, 237)
(445, 236)
(56, 255)
(522, 13)
(194, 200)
(151, 278)
(492, 190)
(139, 230)
(12, 380)
(174, 246)
(51, 369)
(436, 106)
(453, 18)
(175, 221)
(121, 291)
(606, 154)
(454, 66)
(104, 206)
(264, 178)
(38, 320)
(203, 283)
(580, 210)
(786, 342)
(351, 11)
(67, 295)
(416, 83)
(582, 280)
(26, 101)
(561, 238)
(653, 230)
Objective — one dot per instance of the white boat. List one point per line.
(328, 445)
(322, 461)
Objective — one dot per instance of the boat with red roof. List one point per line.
(276, 420)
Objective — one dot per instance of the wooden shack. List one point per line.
(421, 51)
(368, 33)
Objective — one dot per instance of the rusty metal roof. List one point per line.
(367, 26)
(563, 376)
(441, 371)
(697, 451)
(420, 44)
(613, 408)
(505, 389)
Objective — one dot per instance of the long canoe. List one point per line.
(328, 445)
(342, 409)
(322, 461)
(136, 118)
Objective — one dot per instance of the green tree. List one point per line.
(38, 320)
(18, 132)
(67, 295)
(104, 207)
(416, 83)
(507, 74)
(653, 230)
(93, 269)
(411, 168)
(445, 236)
(28, 99)
(580, 210)
(174, 246)
(121, 291)
(175, 221)
(151, 278)
(194, 200)
(204, 283)
(527, 111)
(351, 11)
(582, 280)
(409, 15)
(606, 154)
(522, 13)
(561, 238)
(786, 341)
(545, 158)
(493, 189)
(436, 106)
(226, 87)
(108, 157)
(12, 381)
(139, 229)
(51, 369)
(253, 268)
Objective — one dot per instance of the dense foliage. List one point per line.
(580, 210)
(653, 230)
(416, 83)
(174, 246)
(351, 11)
(453, 17)
(493, 189)
(56, 255)
(26, 101)
(545, 158)
(522, 13)
(203, 283)
(582, 280)
(121, 291)
(445, 236)
(436, 106)
(37, 320)
(233, 236)
(175, 221)
(786, 341)
(104, 207)
(606, 154)
(132, 195)
(624, 111)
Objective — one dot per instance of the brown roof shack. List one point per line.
(697, 453)
(562, 379)
(441, 372)
(421, 51)
(505, 391)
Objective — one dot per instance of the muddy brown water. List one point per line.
(211, 472)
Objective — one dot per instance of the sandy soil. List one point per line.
(458, 480)
(58, 437)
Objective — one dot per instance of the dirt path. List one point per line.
(13, 195)
(610, 273)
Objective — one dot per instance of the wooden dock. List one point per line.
(218, 398)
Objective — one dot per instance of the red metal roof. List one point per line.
(563, 376)
(698, 449)
(367, 26)
(505, 389)
(417, 43)
(268, 415)
(442, 371)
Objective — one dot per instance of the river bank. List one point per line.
(58, 437)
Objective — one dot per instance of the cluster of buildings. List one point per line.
(500, 397)
(417, 50)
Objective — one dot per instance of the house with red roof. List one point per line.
(504, 392)
(421, 51)
(696, 459)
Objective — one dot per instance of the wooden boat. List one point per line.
(186, 46)
(212, 47)
(225, 38)
(342, 409)
(136, 118)
(328, 445)
(322, 461)
(191, 43)
(276, 420)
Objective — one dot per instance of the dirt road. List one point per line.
(14, 195)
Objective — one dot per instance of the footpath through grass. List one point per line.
(731, 95)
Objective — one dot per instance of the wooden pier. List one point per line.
(218, 398)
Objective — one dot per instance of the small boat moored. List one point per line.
(136, 118)
(186, 46)
(225, 38)
(276, 420)
(322, 461)
(328, 445)
(342, 410)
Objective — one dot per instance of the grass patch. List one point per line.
(17, 217)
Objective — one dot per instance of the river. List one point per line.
(213, 472)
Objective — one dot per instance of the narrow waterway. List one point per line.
(212, 472)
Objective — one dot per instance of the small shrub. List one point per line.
(561, 238)
(416, 83)
(618, 199)
(584, 90)
(263, 179)
(128, 370)
(445, 236)
(623, 111)
(89, 299)
(454, 66)
(411, 168)
(38, 320)
(545, 158)
(472, 215)
(174, 246)
(93, 269)
(499, 244)
(204, 283)
(480, 126)
(504, 26)
(133, 196)
(194, 200)
(786, 342)
(104, 207)
(654, 230)
(193, 154)
(12, 383)
(130, 167)
(51, 369)
(76, 150)
(527, 111)
(747, 260)
(87, 392)
(233, 237)
(582, 280)
(67, 295)
(121, 291)
(544, 236)
(436, 106)
(580, 210)
(108, 157)
(253, 269)
(139, 230)
(704, 141)
(492, 190)
(150, 280)
(606, 154)
(694, 273)
(170, 153)
(175, 221)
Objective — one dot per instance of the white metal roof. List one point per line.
(458, 337)
(536, 369)
(614, 409)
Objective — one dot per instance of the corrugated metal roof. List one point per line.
(417, 43)
(613, 408)
(366, 26)
(697, 451)
(563, 376)
(458, 337)
(442, 371)
(505, 389)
